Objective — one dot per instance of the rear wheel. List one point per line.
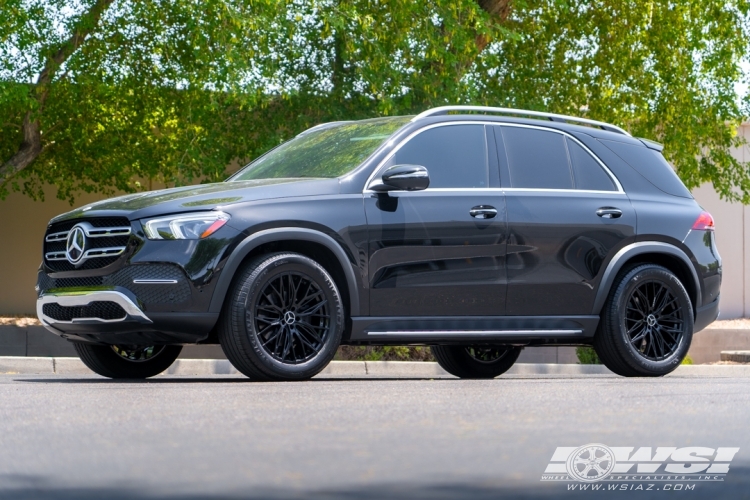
(475, 361)
(283, 320)
(646, 324)
(127, 361)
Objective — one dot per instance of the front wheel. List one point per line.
(475, 361)
(127, 361)
(646, 325)
(283, 319)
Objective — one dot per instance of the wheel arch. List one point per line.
(663, 254)
(311, 243)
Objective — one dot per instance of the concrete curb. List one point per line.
(351, 369)
(736, 356)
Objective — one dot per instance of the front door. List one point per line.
(441, 251)
(566, 214)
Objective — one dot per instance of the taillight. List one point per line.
(704, 222)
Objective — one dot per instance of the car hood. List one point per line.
(202, 197)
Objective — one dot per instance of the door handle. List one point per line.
(609, 213)
(483, 212)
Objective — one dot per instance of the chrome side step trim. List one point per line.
(73, 299)
(474, 333)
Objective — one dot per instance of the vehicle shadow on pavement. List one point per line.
(735, 486)
(62, 379)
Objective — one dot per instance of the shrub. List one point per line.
(383, 353)
(587, 356)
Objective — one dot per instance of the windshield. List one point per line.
(327, 153)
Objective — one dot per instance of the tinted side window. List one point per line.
(537, 159)
(651, 165)
(454, 155)
(587, 172)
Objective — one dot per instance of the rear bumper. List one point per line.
(705, 315)
(130, 325)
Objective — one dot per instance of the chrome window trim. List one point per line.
(385, 160)
(503, 190)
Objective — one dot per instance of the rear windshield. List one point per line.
(325, 153)
(651, 165)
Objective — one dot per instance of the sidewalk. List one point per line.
(352, 369)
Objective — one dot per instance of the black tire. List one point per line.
(475, 361)
(646, 324)
(259, 335)
(131, 362)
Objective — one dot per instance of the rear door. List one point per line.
(566, 214)
(431, 252)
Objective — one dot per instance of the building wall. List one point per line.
(23, 222)
(733, 240)
(22, 225)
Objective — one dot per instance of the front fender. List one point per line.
(247, 245)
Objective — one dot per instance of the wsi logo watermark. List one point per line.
(596, 462)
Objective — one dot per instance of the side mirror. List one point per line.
(405, 178)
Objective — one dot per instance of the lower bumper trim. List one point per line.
(133, 313)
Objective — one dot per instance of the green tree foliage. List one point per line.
(97, 95)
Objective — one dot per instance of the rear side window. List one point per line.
(651, 165)
(454, 155)
(587, 172)
(537, 159)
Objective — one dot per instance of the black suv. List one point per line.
(473, 230)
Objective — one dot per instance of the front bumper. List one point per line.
(115, 316)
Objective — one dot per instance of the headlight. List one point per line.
(185, 226)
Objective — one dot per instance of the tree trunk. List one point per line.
(31, 146)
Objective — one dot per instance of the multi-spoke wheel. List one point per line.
(127, 361)
(647, 323)
(475, 361)
(283, 320)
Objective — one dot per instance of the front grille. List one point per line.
(54, 249)
(103, 310)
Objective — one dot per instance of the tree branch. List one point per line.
(497, 9)
(31, 145)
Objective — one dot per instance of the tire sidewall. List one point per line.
(632, 280)
(265, 272)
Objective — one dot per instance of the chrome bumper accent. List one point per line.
(71, 299)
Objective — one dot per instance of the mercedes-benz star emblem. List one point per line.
(75, 246)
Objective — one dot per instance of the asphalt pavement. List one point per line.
(222, 437)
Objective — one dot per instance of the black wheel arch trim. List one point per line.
(633, 250)
(247, 245)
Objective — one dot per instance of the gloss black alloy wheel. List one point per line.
(283, 318)
(292, 318)
(127, 361)
(646, 324)
(137, 354)
(476, 361)
(486, 354)
(653, 319)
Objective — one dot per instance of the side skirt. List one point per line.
(515, 330)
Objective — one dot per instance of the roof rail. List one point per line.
(444, 110)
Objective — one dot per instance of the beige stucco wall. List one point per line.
(733, 241)
(23, 221)
(22, 225)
